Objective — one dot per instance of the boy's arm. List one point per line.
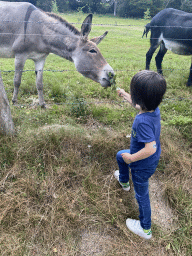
(147, 151)
(127, 97)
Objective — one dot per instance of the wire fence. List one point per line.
(138, 38)
(93, 24)
(73, 70)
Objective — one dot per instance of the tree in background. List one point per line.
(64, 5)
(186, 5)
(94, 6)
(122, 8)
(156, 6)
(173, 4)
(113, 3)
(138, 7)
(133, 8)
(44, 5)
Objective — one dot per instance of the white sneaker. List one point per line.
(125, 186)
(135, 227)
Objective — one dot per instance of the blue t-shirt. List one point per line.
(146, 128)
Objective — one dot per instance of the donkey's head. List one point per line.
(88, 59)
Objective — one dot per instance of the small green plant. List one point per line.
(54, 8)
(80, 10)
(112, 81)
(180, 120)
(79, 108)
(80, 13)
(147, 15)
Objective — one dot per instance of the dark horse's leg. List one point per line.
(149, 56)
(189, 82)
(154, 45)
(159, 57)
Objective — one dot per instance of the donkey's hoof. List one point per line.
(14, 102)
(43, 105)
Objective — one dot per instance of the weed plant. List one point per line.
(57, 191)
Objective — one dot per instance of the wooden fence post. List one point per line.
(6, 122)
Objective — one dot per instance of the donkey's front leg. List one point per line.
(19, 64)
(39, 65)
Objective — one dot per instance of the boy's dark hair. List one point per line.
(147, 89)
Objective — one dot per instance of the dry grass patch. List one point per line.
(57, 188)
(61, 191)
(177, 159)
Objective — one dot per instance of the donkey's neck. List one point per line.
(64, 46)
(61, 37)
(64, 22)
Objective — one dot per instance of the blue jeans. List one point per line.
(140, 180)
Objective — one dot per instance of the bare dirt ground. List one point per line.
(162, 215)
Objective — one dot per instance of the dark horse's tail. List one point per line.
(146, 30)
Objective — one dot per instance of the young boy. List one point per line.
(147, 89)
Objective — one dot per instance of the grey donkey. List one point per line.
(27, 32)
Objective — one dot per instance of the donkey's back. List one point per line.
(18, 28)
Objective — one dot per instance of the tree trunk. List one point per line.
(6, 122)
(115, 7)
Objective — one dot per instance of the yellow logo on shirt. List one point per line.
(133, 133)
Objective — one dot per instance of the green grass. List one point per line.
(56, 173)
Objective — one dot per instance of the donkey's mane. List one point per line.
(67, 24)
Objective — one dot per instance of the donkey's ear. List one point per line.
(98, 39)
(86, 26)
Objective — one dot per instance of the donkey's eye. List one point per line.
(92, 51)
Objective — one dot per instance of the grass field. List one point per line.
(57, 191)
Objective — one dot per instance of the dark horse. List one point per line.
(172, 30)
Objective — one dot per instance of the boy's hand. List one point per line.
(127, 158)
(127, 96)
(120, 92)
(149, 149)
